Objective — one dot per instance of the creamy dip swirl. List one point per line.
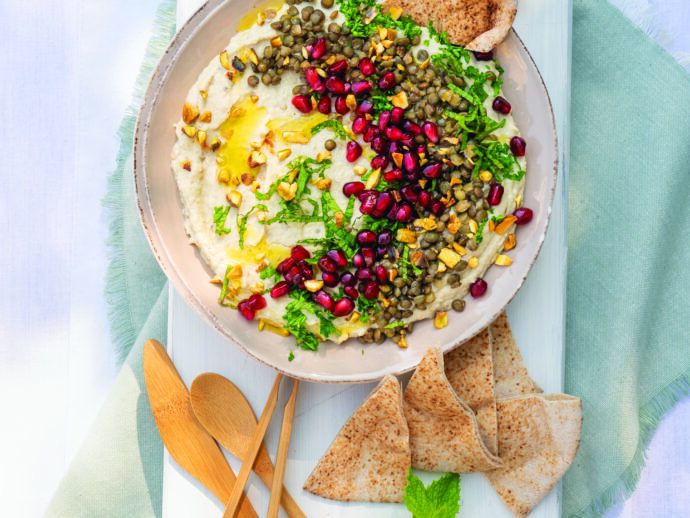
(233, 119)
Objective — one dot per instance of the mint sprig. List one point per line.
(441, 499)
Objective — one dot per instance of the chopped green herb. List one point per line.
(296, 320)
(224, 286)
(269, 271)
(363, 21)
(405, 263)
(220, 214)
(242, 221)
(496, 157)
(363, 305)
(393, 325)
(441, 499)
(291, 356)
(333, 124)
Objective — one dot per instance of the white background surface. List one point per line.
(68, 69)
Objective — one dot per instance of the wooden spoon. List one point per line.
(227, 415)
(185, 438)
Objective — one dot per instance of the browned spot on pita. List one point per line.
(510, 375)
(478, 25)
(444, 434)
(369, 458)
(538, 437)
(469, 371)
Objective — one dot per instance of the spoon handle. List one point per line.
(281, 456)
(252, 450)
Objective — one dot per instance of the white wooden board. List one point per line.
(537, 315)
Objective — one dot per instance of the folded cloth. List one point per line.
(627, 347)
(627, 357)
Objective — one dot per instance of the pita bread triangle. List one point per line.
(469, 369)
(510, 375)
(370, 457)
(478, 25)
(538, 437)
(444, 434)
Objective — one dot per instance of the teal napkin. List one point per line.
(627, 356)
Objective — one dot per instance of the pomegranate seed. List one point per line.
(364, 274)
(403, 213)
(394, 175)
(341, 105)
(432, 170)
(495, 194)
(368, 204)
(421, 151)
(370, 133)
(305, 269)
(410, 162)
(280, 290)
(484, 56)
(379, 161)
(338, 257)
(368, 254)
(384, 119)
(387, 81)
(352, 188)
(359, 124)
(366, 193)
(358, 261)
(381, 146)
(360, 88)
(324, 105)
(406, 141)
(256, 302)
(381, 252)
(302, 103)
(518, 146)
(245, 311)
(353, 152)
(365, 107)
(396, 115)
(523, 215)
(384, 202)
(285, 265)
(348, 279)
(478, 288)
(395, 147)
(324, 299)
(319, 49)
(335, 85)
(314, 80)
(365, 237)
(326, 264)
(367, 67)
(409, 193)
(339, 67)
(430, 131)
(371, 290)
(385, 237)
(424, 198)
(501, 105)
(299, 253)
(381, 274)
(393, 133)
(294, 275)
(411, 127)
(351, 291)
(330, 279)
(437, 207)
(348, 87)
(343, 307)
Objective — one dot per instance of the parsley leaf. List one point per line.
(220, 214)
(333, 124)
(441, 499)
(363, 305)
(269, 271)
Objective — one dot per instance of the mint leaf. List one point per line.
(220, 214)
(441, 499)
(335, 125)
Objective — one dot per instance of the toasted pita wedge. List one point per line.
(469, 371)
(444, 434)
(369, 458)
(510, 375)
(478, 25)
(538, 437)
